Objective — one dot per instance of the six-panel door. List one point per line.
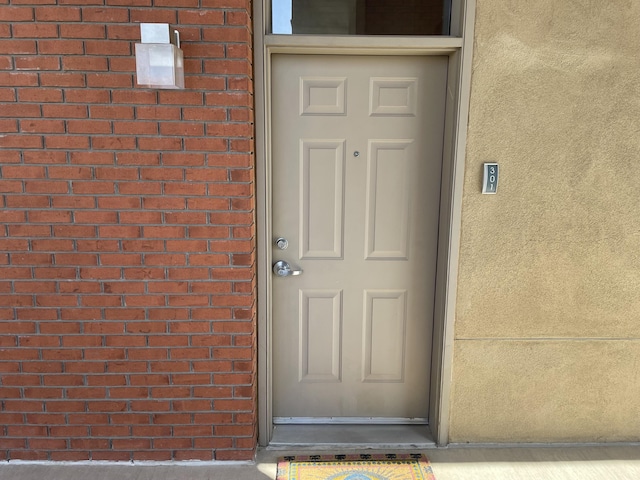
(357, 153)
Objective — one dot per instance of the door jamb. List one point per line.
(459, 49)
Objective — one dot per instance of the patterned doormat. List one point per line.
(355, 467)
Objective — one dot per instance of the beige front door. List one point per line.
(357, 153)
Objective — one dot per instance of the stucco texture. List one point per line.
(548, 307)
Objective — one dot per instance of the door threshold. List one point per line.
(352, 436)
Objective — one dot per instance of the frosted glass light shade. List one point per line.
(159, 65)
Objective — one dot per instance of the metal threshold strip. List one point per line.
(349, 421)
(369, 436)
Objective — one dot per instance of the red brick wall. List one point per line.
(127, 289)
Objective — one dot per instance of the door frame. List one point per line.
(458, 47)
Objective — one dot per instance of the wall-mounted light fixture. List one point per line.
(159, 60)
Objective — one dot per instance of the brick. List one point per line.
(170, 366)
(22, 172)
(156, 15)
(104, 353)
(16, 14)
(107, 380)
(39, 30)
(37, 63)
(206, 144)
(205, 82)
(151, 430)
(237, 17)
(31, 258)
(230, 130)
(97, 245)
(29, 455)
(242, 51)
(121, 259)
(207, 114)
(95, 187)
(64, 111)
(21, 141)
(100, 273)
(109, 81)
(74, 202)
(57, 14)
(116, 173)
(226, 34)
(164, 203)
(125, 314)
(27, 201)
(85, 63)
(84, 96)
(204, 51)
(135, 97)
(45, 186)
(166, 174)
(163, 232)
(105, 15)
(241, 114)
(62, 80)
(137, 127)
(201, 17)
(14, 244)
(239, 83)
(137, 158)
(92, 158)
(69, 173)
(82, 31)
(56, 47)
(125, 32)
(110, 112)
(101, 301)
(122, 64)
(13, 47)
(89, 126)
(158, 113)
(15, 327)
(127, 367)
(118, 231)
(245, 4)
(180, 97)
(229, 99)
(21, 79)
(144, 273)
(227, 67)
(76, 259)
(109, 431)
(40, 95)
(158, 143)
(183, 159)
(153, 455)
(8, 110)
(55, 354)
(42, 126)
(67, 142)
(109, 456)
(181, 128)
(176, 3)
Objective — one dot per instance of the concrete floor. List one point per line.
(453, 463)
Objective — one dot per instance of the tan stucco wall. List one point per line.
(548, 312)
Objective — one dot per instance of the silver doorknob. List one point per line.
(283, 269)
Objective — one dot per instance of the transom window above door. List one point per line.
(361, 17)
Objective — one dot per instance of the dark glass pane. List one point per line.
(361, 17)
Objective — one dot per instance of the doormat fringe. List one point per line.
(390, 466)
